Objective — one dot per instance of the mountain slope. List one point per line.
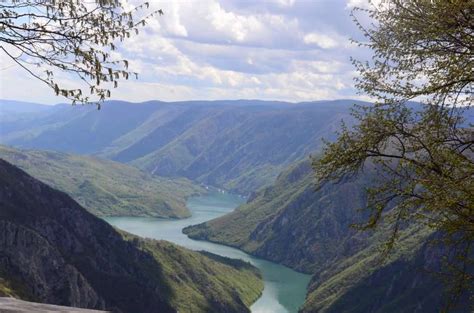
(54, 251)
(293, 224)
(236, 145)
(12, 106)
(104, 187)
(290, 223)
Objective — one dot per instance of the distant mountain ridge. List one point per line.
(13, 106)
(236, 145)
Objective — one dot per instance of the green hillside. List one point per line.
(54, 251)
(291, 224)
(198, 279)
(104, 187)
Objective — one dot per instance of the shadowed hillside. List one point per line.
(293, 224)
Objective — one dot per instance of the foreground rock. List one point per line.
(11, 305)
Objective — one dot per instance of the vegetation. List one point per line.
(290, 223)
(73, 37)
(106, 188)
(199, 280)
(353, 284)
(422, 50)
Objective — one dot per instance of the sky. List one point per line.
(286, 50)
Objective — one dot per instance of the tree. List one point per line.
(48, 37)
(423, 50)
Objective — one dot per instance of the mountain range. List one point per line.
(236, 145)
(256, 148)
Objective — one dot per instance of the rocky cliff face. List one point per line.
(62, 254)
(45, 274)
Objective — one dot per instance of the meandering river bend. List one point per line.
(285, 289)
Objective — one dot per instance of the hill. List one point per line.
(54, 251)
(104, 187)
(12, 106)
(236, 145)
(309, 230)
(290, 223)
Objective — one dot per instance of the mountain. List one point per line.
(309, 230)
(12, 106)
(104, 187)
(236, 145)
(53, 251)
(292, 224)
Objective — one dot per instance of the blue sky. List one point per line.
(281, 50)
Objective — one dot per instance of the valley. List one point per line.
(284, 289)
(172, 173)
(54, 251)
(228, 156)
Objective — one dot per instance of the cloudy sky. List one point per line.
(230, 49)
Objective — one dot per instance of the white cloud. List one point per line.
(362, 3)
(321, 40)
(231, 49)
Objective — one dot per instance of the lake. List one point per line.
(285, 289)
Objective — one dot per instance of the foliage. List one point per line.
(106, 188)
(291, 224)
(424, 154)
(203, 282)
(45, 37)
(420, 48)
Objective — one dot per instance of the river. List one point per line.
(285, 289)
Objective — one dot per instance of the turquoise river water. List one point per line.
(285, 289)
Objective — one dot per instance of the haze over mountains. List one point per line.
(236, 145)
